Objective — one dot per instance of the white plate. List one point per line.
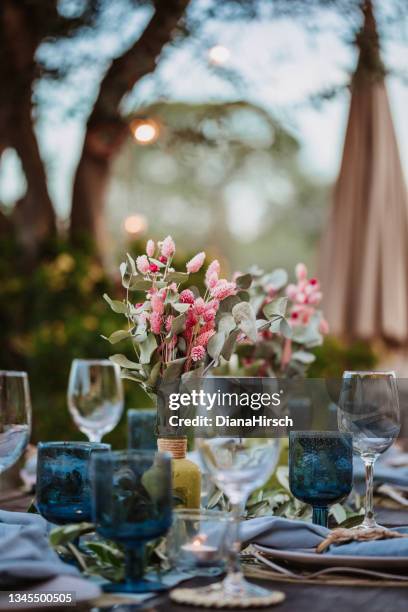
(309, 558)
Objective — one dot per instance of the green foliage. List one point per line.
(335, 356)
(49, 316)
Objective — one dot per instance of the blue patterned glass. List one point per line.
(320, 469)
(132, 504)
(142, 425)
(63, 489)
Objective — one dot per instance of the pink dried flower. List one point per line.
(197, 353)
(173, 287)
(155, 322)
(150, 246)
(204, 337)
(195, 263)
(223, 289)
(209, 326)
(142, 264)
(301, 271)
(291, 291)
(209, 315)
(324, 327)
(213, 305)
(187, 297)
(191, 319)
(153, 267)
(315, 298)
(212, 280)
(168, 248)
(163, 259)
(199, 306)
(169, 321)
(213, 268)
(157, 304)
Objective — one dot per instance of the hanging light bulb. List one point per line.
(145, 131)
(135, 224)
(219, 55)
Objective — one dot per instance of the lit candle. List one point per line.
(202, 552)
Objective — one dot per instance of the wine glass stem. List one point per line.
(94, 436)
(321, 515)
(234, 572)
(134, 563)
(369, 520)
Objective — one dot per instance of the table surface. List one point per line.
(299, 597)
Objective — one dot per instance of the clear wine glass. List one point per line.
(95, 396)
(238, 466)
(369, 410)
(15, 417)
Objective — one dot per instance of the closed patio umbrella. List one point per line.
(364, 255)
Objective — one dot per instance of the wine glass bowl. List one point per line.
(15, 417)
(63, 489)
(95, 396)
(369, 410)
(132, 504)
(320, 469)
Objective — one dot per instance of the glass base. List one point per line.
(367, 525)
(233, 592)
(140, 586)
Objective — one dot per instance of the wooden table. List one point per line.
(299, 597)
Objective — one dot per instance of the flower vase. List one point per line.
(186, 474)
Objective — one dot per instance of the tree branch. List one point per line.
(126, 70)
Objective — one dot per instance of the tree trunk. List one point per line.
(106, 130)
(34, 215)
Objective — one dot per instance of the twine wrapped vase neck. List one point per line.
(176, 446)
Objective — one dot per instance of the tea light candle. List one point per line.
(202, 552)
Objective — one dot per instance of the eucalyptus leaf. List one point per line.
(229, 344)
(138, 376)
(158, 263)
(228, 303)
(116, 305)
(275, 280)
(69, 533)
(139, 284)
(244, 281)
(226, 323)
(132, 264)
(117, 336)
(180, 307)
(174, 369)
(124, 362)
(276, 307)
(177, 277)
(177, 325)
(285, 329)
(147, 348)
(244, 296)
(245, 318)
(215, 345)
(303, 357)
(154, 375)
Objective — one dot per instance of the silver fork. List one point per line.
(328, 570)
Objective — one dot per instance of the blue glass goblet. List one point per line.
(132, 504)
(142, 425)
(63, 489)
(320, 469)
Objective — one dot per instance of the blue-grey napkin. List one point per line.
(24, 550)
(286, 534)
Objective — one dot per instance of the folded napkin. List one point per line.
(24, 550)
(285, 534)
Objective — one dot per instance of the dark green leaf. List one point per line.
(229, 344)
(177, 277)
(174, 369)
(124, 362)
(244, 281)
